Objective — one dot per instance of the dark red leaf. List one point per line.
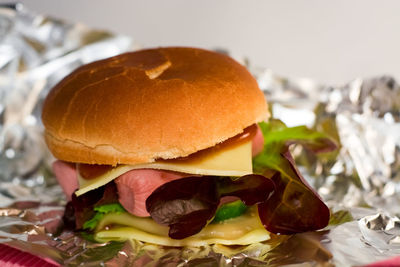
(189, 224)
(188, 204)
(110, 195)
(69, 218)
(84, 204)
(251, 189)
(294, 207)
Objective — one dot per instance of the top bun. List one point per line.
(150, 104)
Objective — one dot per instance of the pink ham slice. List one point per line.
(66, 176)
(257, 144)
(136, 185)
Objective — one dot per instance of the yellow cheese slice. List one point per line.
(232, 160)
(243, 230)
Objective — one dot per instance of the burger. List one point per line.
(173, 146)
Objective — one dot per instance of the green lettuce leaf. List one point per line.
(229, 210)
(294, 206)
(100, 212)
(277, 139)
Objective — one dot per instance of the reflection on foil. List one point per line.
(359, 181)
(363, 116)
(381, 231)
(35, 53)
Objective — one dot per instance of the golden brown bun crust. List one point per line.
(150, 104)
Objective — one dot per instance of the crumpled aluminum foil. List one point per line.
(360, 182)
(35, 53)
(362, 178)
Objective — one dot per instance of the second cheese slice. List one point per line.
(232, 160)
(244, 230)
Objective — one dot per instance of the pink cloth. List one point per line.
(11, 257)
(392, 262)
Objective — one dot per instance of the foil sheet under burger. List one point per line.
(360, 182)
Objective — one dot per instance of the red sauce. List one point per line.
(91, 171)
(247, 135)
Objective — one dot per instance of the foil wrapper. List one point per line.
(360, 181)
(35, 53)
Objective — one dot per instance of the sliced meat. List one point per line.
(135, 186)
(66, 176)
(257, 142)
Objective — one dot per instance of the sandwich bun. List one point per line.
(151, 104)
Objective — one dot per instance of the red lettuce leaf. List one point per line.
(295, 206)
(69, 218)
(110, 195)
(185, 205)
(251, 189)
(188, 204)
(191, 223)
(82, 207)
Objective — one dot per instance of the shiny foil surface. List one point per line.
(360, 182)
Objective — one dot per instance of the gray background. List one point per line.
(330, 41)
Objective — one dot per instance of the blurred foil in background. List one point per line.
(35, 53)
(362, 178)
(364, 117)
(360, 182)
